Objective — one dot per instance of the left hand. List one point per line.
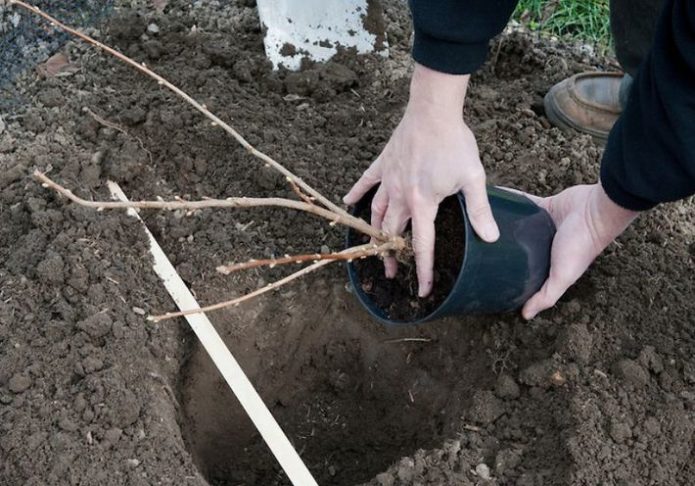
(587, 221)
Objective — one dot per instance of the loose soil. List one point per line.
(398, 297)
(599, 389)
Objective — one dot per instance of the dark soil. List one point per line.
(599, 389)
(398, 297)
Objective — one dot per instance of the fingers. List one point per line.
(479, 212)
(394, 223)
(553, 288)
(423, 245)
(380, 203)
(369, 179)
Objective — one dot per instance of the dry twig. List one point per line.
(230, 202)
(238, 300)
(370, 250)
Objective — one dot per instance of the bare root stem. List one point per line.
(230, 202)
(238, 300)
(355, 253)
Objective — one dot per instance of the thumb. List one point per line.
(369, 179)
(479, 212)
(547, 296)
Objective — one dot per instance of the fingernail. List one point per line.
(529, 315)
(424, 290)
(389, 272)
(491, 233)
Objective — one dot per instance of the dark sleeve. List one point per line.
(650, 154)
(452, 36)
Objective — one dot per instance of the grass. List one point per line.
(581, 20)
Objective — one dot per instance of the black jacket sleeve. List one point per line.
(650, 154)
(452, 36)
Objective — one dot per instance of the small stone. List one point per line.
(483, 471)
(2, 125)
(139, 311)
(331, 470)
(19, 383)
(630, 371)
(558, 379)
(153, 28)
(133, 463)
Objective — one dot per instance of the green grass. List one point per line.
(581, 20)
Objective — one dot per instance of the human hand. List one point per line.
(587, 222)
(431, 155)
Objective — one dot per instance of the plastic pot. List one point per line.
(494, 277)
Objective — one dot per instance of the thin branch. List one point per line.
(201, 108)
(238, 300)
(230, 202)
(299, 193)
(355, 253)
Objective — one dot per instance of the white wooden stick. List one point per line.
(225, 362)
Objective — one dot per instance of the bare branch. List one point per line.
(299, 193)
(356, 252)
(230, 202)
(238, 300)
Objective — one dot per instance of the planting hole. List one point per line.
(352, 395)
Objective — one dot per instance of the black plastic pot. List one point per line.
(494, 277)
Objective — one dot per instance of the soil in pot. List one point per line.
(398, 297)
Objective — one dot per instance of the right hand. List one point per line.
(432, 154)
(587, 221)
